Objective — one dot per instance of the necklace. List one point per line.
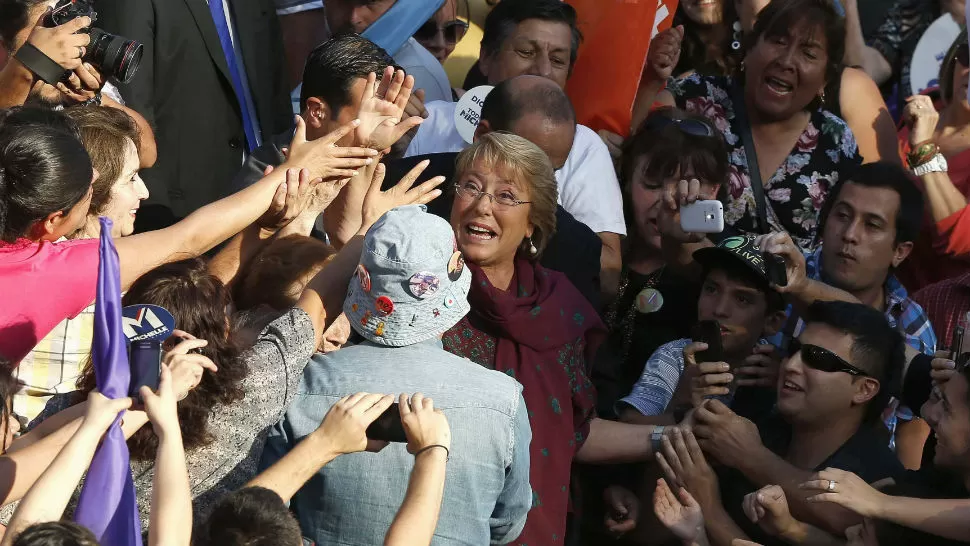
(623, 321)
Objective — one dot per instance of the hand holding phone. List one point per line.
(388, 427)
(708, 332)
(702, 217)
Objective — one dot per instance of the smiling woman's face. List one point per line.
(490, 234)
(786, 71)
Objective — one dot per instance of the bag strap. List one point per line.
(40, 64)
(751, 157)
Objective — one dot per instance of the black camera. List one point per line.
(114, 56)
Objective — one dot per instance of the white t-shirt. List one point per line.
(588, 187)
(427, 71)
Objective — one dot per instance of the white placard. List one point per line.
(924, 71)
(469, 111)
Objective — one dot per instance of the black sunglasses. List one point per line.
(693, 127)
(824, 360)
(963, 55)
(453, 31)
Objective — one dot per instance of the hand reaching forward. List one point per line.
(382, 110)
(768, 507)
(681, 513)
(345, 425)
(622, 510)
(684, 465)
(424, 426)
(847, 490)
(377, 202)
(102, 412)
(323, 158)
(292, 197)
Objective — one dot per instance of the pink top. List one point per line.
(41, 284)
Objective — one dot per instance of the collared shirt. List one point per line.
(354, 498)
(946, 303)
(902, 312)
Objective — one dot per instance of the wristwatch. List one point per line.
(656, 438)
(935, 165)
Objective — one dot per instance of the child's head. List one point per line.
(56, 533)
(735, 292)
(252, 516)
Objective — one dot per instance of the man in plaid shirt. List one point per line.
(868, 226)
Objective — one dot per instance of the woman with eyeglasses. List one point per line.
(937, 145)
(530, 322)
(442, 32)
(771, 115)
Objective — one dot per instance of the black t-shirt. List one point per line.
(635, 336)
(865, 454)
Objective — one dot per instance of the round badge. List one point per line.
(450, 301)
(364, 277)
(379, 331)
(423, 285)
(649, 300)
(455, 266)
(384, 306)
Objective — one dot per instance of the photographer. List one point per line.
(23, 22)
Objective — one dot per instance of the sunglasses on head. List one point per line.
(824, 360)
(691, 127)
(453, 31)
(963, 55)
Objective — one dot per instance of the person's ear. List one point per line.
(484, 128)
(901, 252)
(317, 112)
(484, 62)
(45, 228)
(774, 323)
(866, 389)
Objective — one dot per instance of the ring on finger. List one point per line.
(831, 486)
(80, 52)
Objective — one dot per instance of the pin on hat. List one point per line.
(363, 277)
(424, 284)
(456, 265)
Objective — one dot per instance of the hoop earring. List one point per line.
(532, 248)
(736, 35)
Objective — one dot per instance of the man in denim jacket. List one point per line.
(411, 286)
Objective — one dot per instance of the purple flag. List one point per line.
(107, 505)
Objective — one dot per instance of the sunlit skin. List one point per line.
(349, 15)
(127, 193)
(535, 47)
(438, 46)
(488, 234)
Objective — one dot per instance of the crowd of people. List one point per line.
(389, 332)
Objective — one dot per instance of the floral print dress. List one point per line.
(797, 190)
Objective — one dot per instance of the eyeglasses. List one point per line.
(824, 360)
(693, 127)
(963, 55)
(453, 31)
(471, 192)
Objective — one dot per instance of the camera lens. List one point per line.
(114, 55)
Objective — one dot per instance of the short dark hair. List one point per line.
(884, 174)
(332, 67)
(505, 105)
(738, 272)
(877, 347)
(43, 168)
(56, 533)
(779, 17)
(504, 17)
(252, 516)
(14, 18)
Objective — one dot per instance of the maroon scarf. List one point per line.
(540, 313)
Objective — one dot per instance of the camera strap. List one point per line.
(750, 157)
(40, 64)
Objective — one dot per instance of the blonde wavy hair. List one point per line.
(532, 171)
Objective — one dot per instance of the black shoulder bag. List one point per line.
(750, 157)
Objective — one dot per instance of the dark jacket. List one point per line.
(184, 90)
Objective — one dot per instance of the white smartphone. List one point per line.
(702, 217)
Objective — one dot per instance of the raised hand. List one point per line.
(760, 368)
(706, 379)
(377, 202)
(680, 513)
(676, 194)
(382, 110)
(664, 53)
(921, 118)
(291, 199)
(424, 426)
(102, 411)
(162, 407)
(768, 507)
(322, 158)
(187, 365)
(344, 427)
(727, 436)
(622, 510)
(684, 465)
(63, 44)
(82, 84)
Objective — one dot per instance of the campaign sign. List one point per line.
(147, 323)
(468, 111)
(924, 72)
